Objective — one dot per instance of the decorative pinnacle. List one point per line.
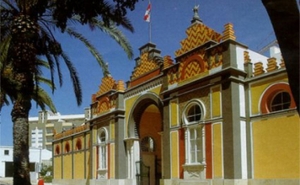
(228, 33)
(196, 17)
(106, 72)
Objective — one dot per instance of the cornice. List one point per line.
(234, 76)
(145, 86)
(281, 71)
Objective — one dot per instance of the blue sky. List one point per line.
(169, 21)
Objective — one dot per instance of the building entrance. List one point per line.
(144, 142)
(149, 130)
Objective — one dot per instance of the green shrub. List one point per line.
(48, 179)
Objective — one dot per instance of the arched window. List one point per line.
(57, 150)
(193, 116)
(67, 147)
(280, 101)
(193, 113)
(78, 144)
(102, 143)
(102, 137)
(147, 144)
(277, 97)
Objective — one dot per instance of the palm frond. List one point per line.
(60, 76)
(51, 67)
(53, 60)
(113, 31)
(10, 5)
(43, 63)
(4, 46)
(125, 23)
(3, 99)
(45, 29)
(91, 48)
(43, 99)
(46, 81)
(6, 19)
(74, 78)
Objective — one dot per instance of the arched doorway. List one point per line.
(145, 125)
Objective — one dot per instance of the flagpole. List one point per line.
(150, 31)
(150, 22)
(147, 19)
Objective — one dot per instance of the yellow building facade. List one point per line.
(218, 113)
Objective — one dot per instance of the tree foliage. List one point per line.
(87, 9)
(35, 21)
(28, 42)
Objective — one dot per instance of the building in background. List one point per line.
(43, 127)
(218, 113)
(37, 157)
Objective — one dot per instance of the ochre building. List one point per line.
(218, 113)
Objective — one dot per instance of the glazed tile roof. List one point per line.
(197, 35)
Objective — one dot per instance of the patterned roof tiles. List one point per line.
(197, 35)
(145, 65)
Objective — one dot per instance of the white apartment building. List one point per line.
(43, 127)
(36, 157)
(41, 131)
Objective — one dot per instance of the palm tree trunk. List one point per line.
(19, 115)
(21, 147)
(23, 61)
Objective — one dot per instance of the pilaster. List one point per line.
(234, 128)
(166, 150)
(231, 131)
(120, 148)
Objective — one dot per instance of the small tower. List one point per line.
(196, 17)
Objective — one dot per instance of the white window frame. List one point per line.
(194, 146)
(195, 153)
(102, 149)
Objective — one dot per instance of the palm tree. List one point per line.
(40, 96)
(26, 38)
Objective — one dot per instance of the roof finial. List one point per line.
(196, 17)
(106, 72)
